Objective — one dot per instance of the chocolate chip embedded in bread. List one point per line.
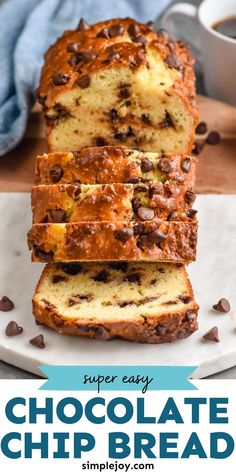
(201, 128)
(134, 180)
(101, 333)
(185, 299)
(74, 59)
(43, 255)
(164, 165)
(83, 82)
(56, 173)
(145, 118)
(123, 234)
(124, 92)
(120, 265)
(101, 276)
(146, 165)
(139, 228)
(116, 30)
(72, 268)
(83, 25)
(173, 61)
(74, 190)
(145, 214)
(212, 335)
(100, 141)
(86, 56)
(13, 329)
(222, 305)
(60, 78)
(134, 277)
(160, 329)
(156, 236)
(191, 213)
(186, 165)
(58, 278)
(113, 114)
(213, 138)
(189, 315)
(113, 55)
(38, 341)
(173, 216)
(104, 33)
(139, 39)
(6, 304)
(56, 216)
(133, 30)
(167, 121)
(72, 47)
(189, 197)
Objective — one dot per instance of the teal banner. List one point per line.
(109, 377)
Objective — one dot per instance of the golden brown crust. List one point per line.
(153, 240)
(111, 202)
(153, 329)
(108, 164)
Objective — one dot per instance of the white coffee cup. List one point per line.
(215, 52)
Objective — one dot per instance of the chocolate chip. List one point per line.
(86, 56)
(74, 190)
(138, 228)
(189, 197)
(58, 278)
(185, 299)
(136, 61)
(197, 148)
(156, 189)
(213, 138)
(122, 265)
(42, 99)
(104, 33)
(212, 335)
(74, 59)
(99, 141)
(83, 82)
(134, 180)
(185, 165)
(124, 303)
(146, 165)
(101, 276)
(43, 255)
(222, 305)
(101, 333)
(201, 128)
(60, 78)
(145, 214)
(134, 277)
(140, 39)
(120, 136)
(145, 119)
(156, 236)
(191, 213)
(113, 114)
(116, 30)
(123, 234)
(160, 330)
(164, 165)
(163, 33)
(56, 173)
(114, 55)
(38, 341)
(136, 204)
(6, 304)
(173, 215)
(72, 47)
(57, 216)
(167, 121)
(189, 315)
(70, 268)
(83, 25)
(173, 61)
(133, 30)
(124, 93)
(13, 329)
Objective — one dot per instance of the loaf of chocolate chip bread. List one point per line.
(169, 241)
(119, 81)
(149, 303)
(66, 203)
(114, 164)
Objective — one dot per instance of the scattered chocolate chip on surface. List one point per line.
(38, 341)
(104, 33)
(60, 78)
(164, 165)
(6, 304)
(185, 165)
(145, 214)
(116, 30)
(212, 335)
(201, 128)
(56, 173)
(213, 138)
(222, 305)
(133, 30)
(123, 234)
(13, 329)
(83, 25)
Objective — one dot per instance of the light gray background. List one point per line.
(9, 372)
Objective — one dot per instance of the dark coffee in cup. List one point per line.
(226, 26)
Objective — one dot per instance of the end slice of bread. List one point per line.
(149, 303)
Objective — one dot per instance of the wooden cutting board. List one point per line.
(216, 171)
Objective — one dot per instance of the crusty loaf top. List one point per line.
(79, 53)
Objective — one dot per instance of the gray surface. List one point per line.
(10, 372)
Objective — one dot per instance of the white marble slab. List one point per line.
(213, 277)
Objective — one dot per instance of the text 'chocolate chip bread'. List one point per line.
(151, 303)
(114, 164)
(119, 81)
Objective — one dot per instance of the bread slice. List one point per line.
(169, 241)
(149, 303)
(119, 82)
(114, 164)
(66, 203)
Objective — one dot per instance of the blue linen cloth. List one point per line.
(27, 29)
